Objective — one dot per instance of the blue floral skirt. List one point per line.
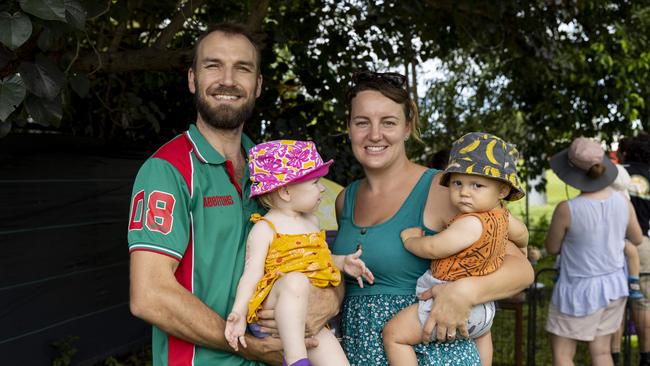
(362, 323)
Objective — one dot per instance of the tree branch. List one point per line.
(185, 11)
(157, 57)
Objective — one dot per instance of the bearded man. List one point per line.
(189, 218)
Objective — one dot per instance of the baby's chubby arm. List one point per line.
(458, 236)
(355, 267)
(257, 247)
(518, 233)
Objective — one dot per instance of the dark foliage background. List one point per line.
(537, 73)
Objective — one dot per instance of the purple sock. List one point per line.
(302, 362)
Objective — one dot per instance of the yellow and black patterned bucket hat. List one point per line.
(486, 155)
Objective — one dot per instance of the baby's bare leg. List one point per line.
(289, 298)
(400, 335)
(328, 352)
(484, 347)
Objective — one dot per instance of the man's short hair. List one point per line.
(230, 28)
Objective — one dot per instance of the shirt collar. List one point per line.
(206, 153)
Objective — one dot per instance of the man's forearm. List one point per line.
(179, 313)
(198, 324)
(156, 297)
(324, 304)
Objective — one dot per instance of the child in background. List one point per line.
(621, 184)
(481, 173)
(286, 252)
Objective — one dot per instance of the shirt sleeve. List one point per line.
(159, 218)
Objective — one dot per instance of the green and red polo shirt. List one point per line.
(187, 205)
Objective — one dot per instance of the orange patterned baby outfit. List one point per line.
(484, 256)
(306, 253)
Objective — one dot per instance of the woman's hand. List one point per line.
(449, 312)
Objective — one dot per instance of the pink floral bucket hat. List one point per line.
(274, 164)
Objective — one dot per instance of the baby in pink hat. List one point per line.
(286, 252)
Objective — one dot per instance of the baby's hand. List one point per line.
(235, 330)
(355, 267)
(412, 232)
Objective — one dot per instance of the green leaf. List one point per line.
(80, 84)
(42, 77)
(44, 111)
(636, 100)
(44, 9)
(75, 14)
(12, 93)
(14, 29)
(624, 46)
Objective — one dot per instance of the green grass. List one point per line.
(556, 191)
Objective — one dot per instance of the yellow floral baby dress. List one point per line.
(306, 253)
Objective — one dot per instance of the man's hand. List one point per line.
(267, 350)
(235, 330)
(323, 305)
(266, 321)
(412, 232)
(356, 268)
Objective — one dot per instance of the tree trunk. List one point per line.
(258, 11)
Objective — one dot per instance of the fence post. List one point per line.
(533, 300)
(532, 309)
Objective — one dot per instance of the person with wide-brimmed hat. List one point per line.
(589, 231)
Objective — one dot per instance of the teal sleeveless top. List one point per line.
(396, 270)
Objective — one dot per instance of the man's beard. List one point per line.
(223, 117)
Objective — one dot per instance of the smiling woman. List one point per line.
(395, 194)
(374, 210)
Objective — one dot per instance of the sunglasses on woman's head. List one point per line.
(395, 79)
